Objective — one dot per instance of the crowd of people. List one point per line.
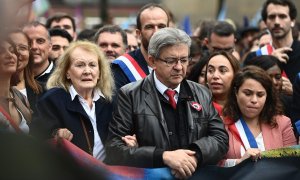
(154, 96)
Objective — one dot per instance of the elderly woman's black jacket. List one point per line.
(57, 110)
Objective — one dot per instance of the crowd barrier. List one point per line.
(275, 164)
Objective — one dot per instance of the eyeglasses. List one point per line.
(4, 50)
(170, 62)
(22, 49)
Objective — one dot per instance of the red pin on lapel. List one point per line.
(196, 106)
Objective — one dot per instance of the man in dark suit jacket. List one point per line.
(182, 131)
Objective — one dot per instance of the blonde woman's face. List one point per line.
(83, 71)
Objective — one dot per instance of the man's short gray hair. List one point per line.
(167, 37)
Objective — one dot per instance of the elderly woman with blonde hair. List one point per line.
(77, 105)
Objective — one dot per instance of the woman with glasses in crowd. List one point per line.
(14, 109)
(27, 84)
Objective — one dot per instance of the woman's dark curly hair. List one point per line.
(272, 105)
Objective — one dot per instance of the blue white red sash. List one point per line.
(246, 138)
(265, 50)
(250, 137)
(130, 67)
(6, 116)
(233, 129)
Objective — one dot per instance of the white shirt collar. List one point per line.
(150, 69)
(162, 88)
(96, 93)
(48, 70)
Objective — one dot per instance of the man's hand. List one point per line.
(130, 141)
(182, 162)
(287, 86)
(280, 53)
(177, 174)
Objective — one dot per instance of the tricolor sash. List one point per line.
(13, 124)
(245, 135)
(233, 129)
(249, 135)
(130, 67)
(242, 133)
(265, 50)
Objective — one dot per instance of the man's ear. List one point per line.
(292, 23)
(152, 61)
(205, 41)
(50, 46)
(138, 33)
(74, 36)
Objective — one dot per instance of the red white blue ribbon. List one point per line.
(265, 50)
(243, 135)
(130, 67)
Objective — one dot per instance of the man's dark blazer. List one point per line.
(57, 110)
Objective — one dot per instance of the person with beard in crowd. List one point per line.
(280, 17)
(135, 65)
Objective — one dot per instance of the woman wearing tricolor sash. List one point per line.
(274, 68)
(254, 117)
